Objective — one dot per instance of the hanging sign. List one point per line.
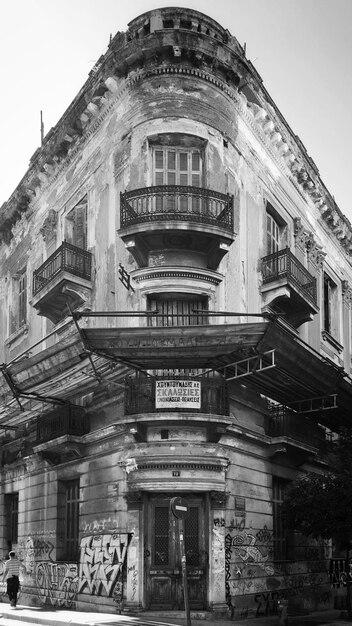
(182, 394)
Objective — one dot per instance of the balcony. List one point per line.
(288, 288)
(184, 393)
(177, 397)
(59, 433)
(293, 432)
(169, 217)
(64, 278)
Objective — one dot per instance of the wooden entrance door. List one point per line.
(164, 588)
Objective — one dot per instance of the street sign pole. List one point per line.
(180, 510)
(181, 531)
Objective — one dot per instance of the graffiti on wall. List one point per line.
(102, 557)
(57, 583)
(338, 573)
(101, 561)
(99, 526)
(245, 548)
(254, 587)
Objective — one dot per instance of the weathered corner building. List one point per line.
(176, 321)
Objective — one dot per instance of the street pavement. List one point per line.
(25, 615)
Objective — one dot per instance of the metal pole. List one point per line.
(181, 525)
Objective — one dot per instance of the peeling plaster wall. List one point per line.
(111, 154)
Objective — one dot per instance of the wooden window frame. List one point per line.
(76, 229)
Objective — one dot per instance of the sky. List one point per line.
(302, 50)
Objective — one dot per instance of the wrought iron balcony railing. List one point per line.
(141, 395)
(67, 258)
(177, 202)
(284, 264)
(63, 420)
(282, 422)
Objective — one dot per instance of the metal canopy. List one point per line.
(300, 372)
(92, 355)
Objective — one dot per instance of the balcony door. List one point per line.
(164, 586)
(76, 225)
(177, 310)
(177, 166)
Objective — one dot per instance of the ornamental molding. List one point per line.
(346, 292)
(301, 235)
(306, 242)
(49, 227)
(157, 274)
(205, 467)
(315, 253)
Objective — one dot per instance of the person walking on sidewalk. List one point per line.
(11, 576)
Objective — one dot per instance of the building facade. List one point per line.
(176, 289)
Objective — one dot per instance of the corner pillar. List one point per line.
(134, 587)
(217, 562)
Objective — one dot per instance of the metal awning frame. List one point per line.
(251, 365)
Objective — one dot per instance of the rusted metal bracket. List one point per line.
(6, 374)
(17, 394)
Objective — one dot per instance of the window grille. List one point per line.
(192, 536)
(11, 508)
(173, 311)
(161, 536)
(68, 518)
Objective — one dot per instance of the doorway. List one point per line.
(164, 584)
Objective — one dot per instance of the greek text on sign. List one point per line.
(183, 394)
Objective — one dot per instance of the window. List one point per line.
(68, 519)
(11, 518)
(18, 310)
(279, 532)
(329, 306)
(177, 166)
(177, 310)
(272, 235)
(76, 225)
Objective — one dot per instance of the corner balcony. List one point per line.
(171, 217)
(60, 432)
(288, 288)
(64, 278)
(201, 399)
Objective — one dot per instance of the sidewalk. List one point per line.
(30, 615)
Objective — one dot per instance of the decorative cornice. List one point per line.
(128, 61)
